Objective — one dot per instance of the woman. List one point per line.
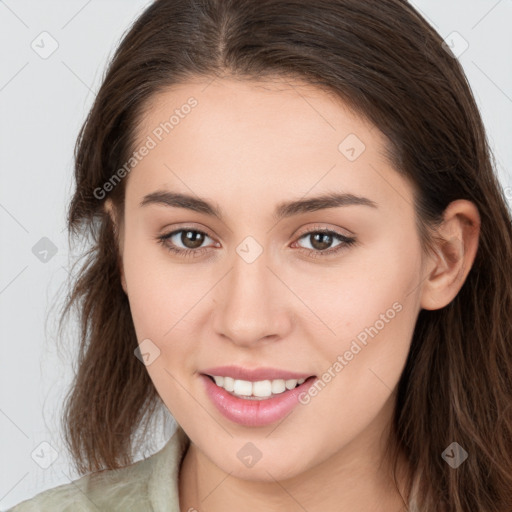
(302, 251)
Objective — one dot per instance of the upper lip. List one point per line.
(254, 374)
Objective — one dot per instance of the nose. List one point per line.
(251, 304)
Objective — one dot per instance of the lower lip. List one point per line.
(254, 413)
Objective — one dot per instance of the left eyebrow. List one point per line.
(333, 200)
(284, 209)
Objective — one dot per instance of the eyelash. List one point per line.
(346, 243)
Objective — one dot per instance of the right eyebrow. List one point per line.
(179, 200)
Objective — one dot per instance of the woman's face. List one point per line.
(261, 285)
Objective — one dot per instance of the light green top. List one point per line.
(149, 484)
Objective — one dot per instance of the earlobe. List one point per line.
(112, 212)
(123, 280)
(455, 251)
(110, 209)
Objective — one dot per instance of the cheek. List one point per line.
(158, 290)
(160, 299)
(365, 316)
(368, 286)
(163, 299)
(372, 313)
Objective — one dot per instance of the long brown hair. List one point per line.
(383, 60)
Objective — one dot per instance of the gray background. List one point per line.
(43, 103)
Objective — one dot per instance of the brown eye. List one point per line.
(185, 242)
(192, 239)
(321, 242)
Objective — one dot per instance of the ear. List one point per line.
(111, 210)
(455, 252)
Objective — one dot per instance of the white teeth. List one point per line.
(278, 386)
(229, 384)
(258, 389)
(242, 387)
(291, 383)
(261, 388)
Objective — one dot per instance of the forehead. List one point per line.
(275, 109)
(229, 138)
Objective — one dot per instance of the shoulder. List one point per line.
(117, 489)
(128, 488)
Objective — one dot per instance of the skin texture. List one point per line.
(246, 147)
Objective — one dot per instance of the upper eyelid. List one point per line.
(187, 228)
(307, 231)
(315, 227)
(322, 228)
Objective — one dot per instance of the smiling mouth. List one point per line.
(257, 390)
